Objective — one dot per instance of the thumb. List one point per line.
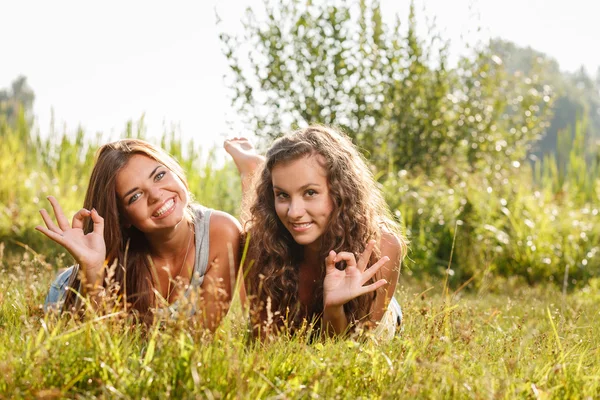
(98, 222)
(330, 261)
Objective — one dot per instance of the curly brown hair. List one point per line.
(359, 214)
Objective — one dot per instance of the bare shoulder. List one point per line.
(391, 245)
(224, 225)
(225, 237)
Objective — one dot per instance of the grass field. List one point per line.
(527, 325)
(504, 341)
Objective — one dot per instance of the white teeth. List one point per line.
(164, 208)
(306, 224)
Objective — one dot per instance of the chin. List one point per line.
(304, 241)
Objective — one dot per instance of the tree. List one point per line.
(577, 95)
(339, 63)
(19, 98)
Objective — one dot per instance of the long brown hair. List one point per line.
(124, 244)
(359, 214)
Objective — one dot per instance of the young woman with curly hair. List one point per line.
(323, 244)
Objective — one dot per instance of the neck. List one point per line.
(311, 254)
(171, 245)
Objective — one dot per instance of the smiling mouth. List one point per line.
(301, 227)
(168, 206)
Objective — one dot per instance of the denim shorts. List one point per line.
(395, 306)
(58, 289)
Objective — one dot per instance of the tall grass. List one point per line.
(513, 342)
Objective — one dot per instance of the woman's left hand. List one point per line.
(339, 287)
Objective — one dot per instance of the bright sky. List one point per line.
(100, 65)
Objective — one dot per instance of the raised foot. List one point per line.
(244, 155)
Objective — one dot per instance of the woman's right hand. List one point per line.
(89, 250)
(341, 286)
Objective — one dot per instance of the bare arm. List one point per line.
(219, 280)
(391, 247)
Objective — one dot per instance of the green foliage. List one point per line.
(510, 229)
(340, 64)
(574, 168)
(532, 221)
(577, 95)
(16, 100)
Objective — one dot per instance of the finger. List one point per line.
(49, 223)
(330, 261)
(364, 258)
(63, 222)
(346, 256)
(373, 287)
(57, 237)
(98, 222)
(79, 218)
(371, 271)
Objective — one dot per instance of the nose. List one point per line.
(296, 209)
(154, 195)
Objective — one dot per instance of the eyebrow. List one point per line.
(301, 188)
(136, 188)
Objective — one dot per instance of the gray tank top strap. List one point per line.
(202, 231)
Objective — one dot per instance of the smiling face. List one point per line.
(302, 200)
(150, 195)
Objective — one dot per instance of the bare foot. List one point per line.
(244, 155)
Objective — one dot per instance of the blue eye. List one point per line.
(159, 176)
(134, 197)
